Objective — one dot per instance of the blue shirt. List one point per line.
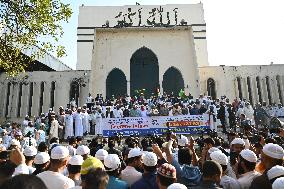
(115, 183)
(148, 181)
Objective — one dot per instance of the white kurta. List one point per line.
(78, 124)
(99, 124)
(86, 123)
(68, 126)
(53, 129)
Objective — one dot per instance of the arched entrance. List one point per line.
(211, 88)
(116, 83)
(144, 72)
(172, 81)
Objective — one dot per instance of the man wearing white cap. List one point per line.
(237, 145)
(83, 151)
(112, 166)
(177, 186)
(74, 169)
(149, 177)
(78, 122)
(272, 155)
(278, 183)
(226, 181)
(101, 154)
(41, 162)
(53, 178)
(134, 160)
(29, 153)
(275, 173)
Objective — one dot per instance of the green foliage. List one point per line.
(26, 24)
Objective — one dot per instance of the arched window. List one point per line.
(116, 83)
(268, 89)
(240, 88)
(172, 81)
(144, 72)
(20, 100)
(249, 90)
(41, 97)
(258, 85)
(278, 79)
(31, 98)
(52, 93)
(74, 91)
(211, 88)
(7, 99)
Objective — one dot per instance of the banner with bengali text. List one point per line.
(185, 124)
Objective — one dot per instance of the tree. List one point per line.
(32, 26)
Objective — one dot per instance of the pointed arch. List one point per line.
(173, 81)
(116, 83)
(144, 72)
(211, 88)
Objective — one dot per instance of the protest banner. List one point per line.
(185, 124)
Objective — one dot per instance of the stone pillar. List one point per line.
(128, 87)
(84, 91)
(254, 90)
(46, 97)
(274, 90)
(35, 99)
(281, 79)
(61, 94)
(14, 100)
(264, 90)
(3, 93)
(244, 88)
(25, 100)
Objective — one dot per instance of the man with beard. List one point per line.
(272, 155)
(246, 168)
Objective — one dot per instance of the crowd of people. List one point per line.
(49, 151)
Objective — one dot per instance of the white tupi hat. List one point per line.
(112, 162)
(177, 186)
(150, 159)
(59, 152)
(30, 151)
(76, 160)
(273, 150)
(219, 157)
(134, 153)
(249, 155)
(238, 141)
(274, 172)
(82, 150)
(41, 158)
(101, 154)
(278, 183)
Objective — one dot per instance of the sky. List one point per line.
(239, 32)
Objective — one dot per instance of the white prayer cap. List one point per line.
(59, 152)
(82, 150)
(213, 149)
(134, 153)
(238, 141)
(101, 154)
(278, 183)
(273, 150)
(177, 186)
(76, 160)
(150, 159)
(30, 151)
(275, 172)
(182, 141)
(112, 162)
(15, 142)
(219, 157)
(249, 155)
(41, 158)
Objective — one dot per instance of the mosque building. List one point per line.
(123, 49)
